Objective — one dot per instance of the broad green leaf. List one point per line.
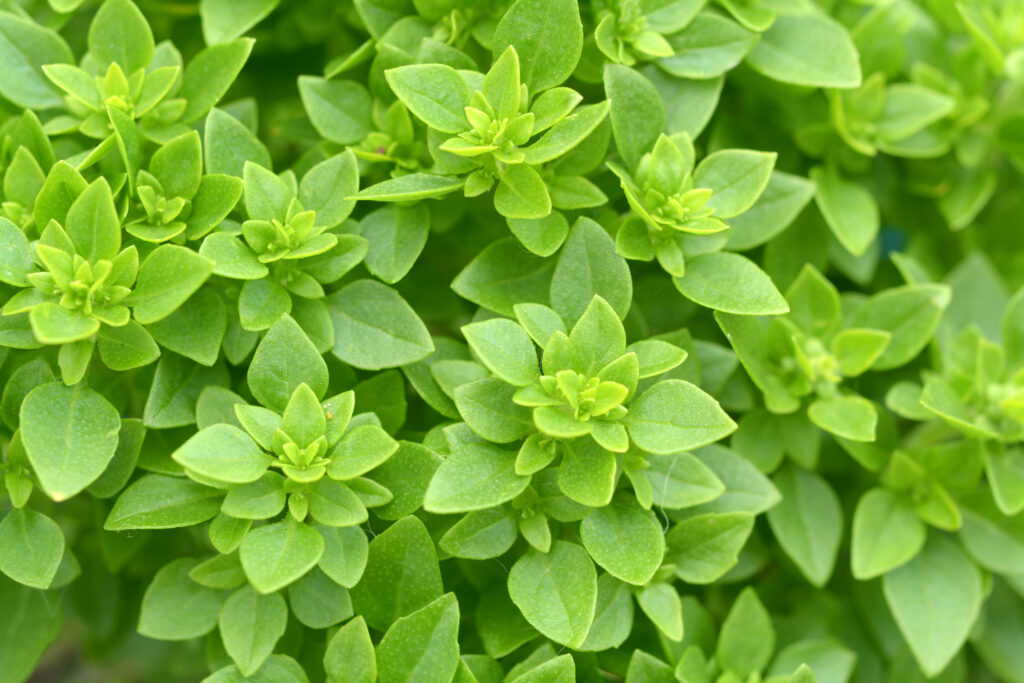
(736, 177)
(624, 539)
(350, 655)
(339, 110)
(435, 93)
(710, 45)
(209, 75)
(229, 145)
(886, 534)
(25, 47)
(704, 547)
(119, 33)
(250, 625)
(746, 640)
(31, 547)
(174, 607)
(505, 349)
(481, 534)
(474, 477)
(196, 329)
(556, 591)
(275, 555)
(15, 256)
(402, 574)
(423, 645)
(225, 20)
(730, 283)
(807, 49)
(375, 328)
(70, 435)
(503, 275)
(285, 359)
(935, 599)
(807, 522)
(157, 501)
(850, 417)
(345, 554)
(167, 278)
(522, 193)
(547, 36)
(93, 225)
(637, 112)
(396, 236)
(680, 480)
(674, 415)
(589, 266)
(910, 313)
(30, 627)
(782, 200)
(849, 209)
(224, 453)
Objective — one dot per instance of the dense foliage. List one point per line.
(512, 340)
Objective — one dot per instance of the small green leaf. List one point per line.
(284, 360)
(746, 640)
(157, 501)
(375, 328)
(167, 278)
(547, 36)
(705, 547)
(435, 93)
(808, 522)
(849, 209)
(474, 477)
(223, 452)
(886, 534)
(422, 645)
(175, 607)
(851, 417)
(736, 178)
(250, 626)
(807, 49)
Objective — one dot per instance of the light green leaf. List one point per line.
(807, 49)
(556, 591)
(730, 283)
(807, 522)
(704, 547)
(31, 547)
(547, 36)
(624, 539)
(886, 534)
(375, 328)
(275, 555)
(674, 416)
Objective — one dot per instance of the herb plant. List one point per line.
(524, 341)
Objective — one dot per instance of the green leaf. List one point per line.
(178, 165)
(70, 435)
(625, 540)
(807, 49)
(886, 534)
(15, 256)
(275, 555)
(565, 136)
(522, 193)
(31, 547)
(807, 522)
(736, 177)
(705, 547)
(674, 416)
(350, 655)
(680, 480)
(339, 110)
(556, 591)
(250, 626)
(225, 20)
(935, 599)
(402, 574)
(505, 349)
(363, 448)
(588, 265)
(850, 417)
(196, 329)
(408, 188)
(223, 452)
(782, 200)
(503, 275)
(175, 390)
(396, 235)
(210, 74)
(345, 554)
(856, 350)
(266, 195)
(167, 278)
(435, 93)
(474, 477)
(229, 145)
(746, 640)
(849, 209)
(214, 200)
(547, 36)
(730, 283)
(910, 313)
(422, 645)
(24, 48)
(119, 33)
(175, 607)
(157, 501)
(709, 46)
(260, 499)
(93, 225)
(637, 112)
(284, 360)
(481, 535)
(375, 328)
